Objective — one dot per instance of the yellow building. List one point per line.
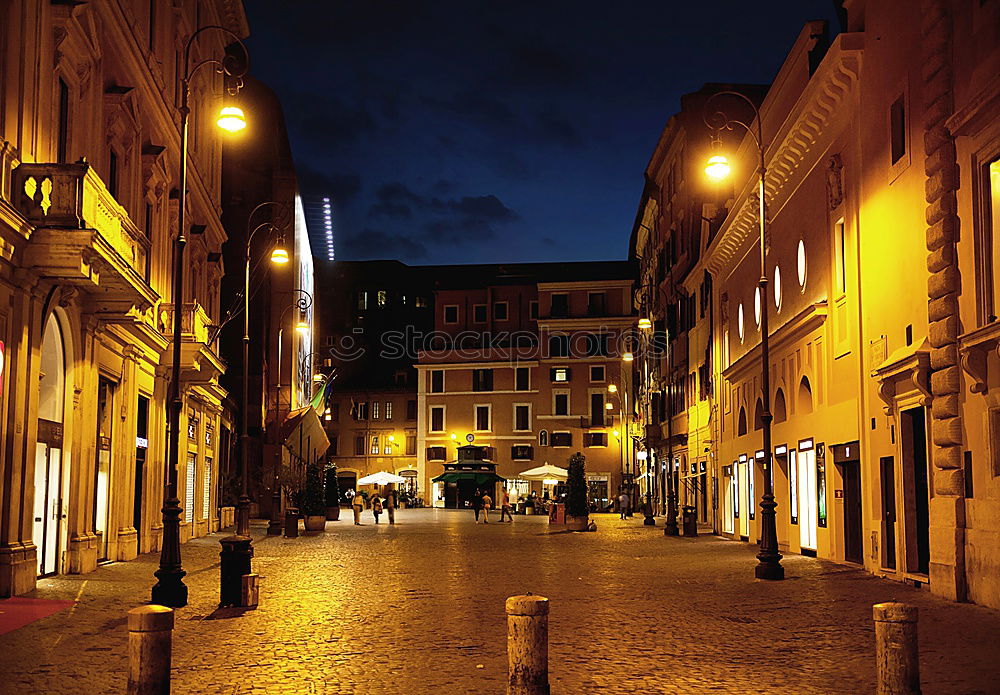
(89, 154)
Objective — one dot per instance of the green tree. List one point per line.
(313, 497)
(332, 487)
(576, 486)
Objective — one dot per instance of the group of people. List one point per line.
(482, 503)
(376, 503)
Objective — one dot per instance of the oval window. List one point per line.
(756, 306)
(739, 321)
(777, 288)
(801, 264)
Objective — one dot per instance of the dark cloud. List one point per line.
(373, 243)
(534, 62)
(342, 188)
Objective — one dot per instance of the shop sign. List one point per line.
(141, 443)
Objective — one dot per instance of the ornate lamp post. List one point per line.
(274, 526)
(170, 589)
(769, 559)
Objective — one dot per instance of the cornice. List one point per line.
(807, 131)
(806, 321)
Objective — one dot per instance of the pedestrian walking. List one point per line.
(487, 503)
(477, 503)
(390, 504)
(357, 505)
(376, 506)
(505, 506)
(623, 504)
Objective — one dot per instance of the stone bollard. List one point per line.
(149, 636)
(527, 645)
(896, 653)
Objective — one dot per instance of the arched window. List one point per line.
(805, 399)
(758, 415)
(800, 264)
(741, 424)
(543, 438)
(780, 407)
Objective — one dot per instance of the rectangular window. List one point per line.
(564, 439)
(559, 307)
(560, 403)
(362, 301)
(597, 409)
(500, 311)
(436, 453)
(596, 304)
(479, 313)
(558, 346)
(437, 381)
(411, 445)
(388, 410)
(206, 493)
(388, 447)
(113, 174)
(374, 407)
(897, 129)
(374, 447)
(411, 409)
(359, 446)
(522, 378)
(522, 418)
(62, 145)
(595, 439)
(521, 452)
(533, 309)
(483, 418)
(482, 379)
(597, 372)
(437, 418)
(451, 313)
(333, 450)
(361, 411)
(597, 345)
(559, 375)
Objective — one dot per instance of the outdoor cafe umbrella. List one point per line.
(381, 478)
(546, 472)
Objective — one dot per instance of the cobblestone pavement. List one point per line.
(419, 606)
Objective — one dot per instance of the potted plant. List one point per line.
(332, 494)
(313, 505)
(577, 510)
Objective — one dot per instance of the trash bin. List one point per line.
(690, 521)
(291, 522)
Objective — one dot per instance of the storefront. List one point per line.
(456, 487)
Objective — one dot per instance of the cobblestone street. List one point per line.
(419, 606)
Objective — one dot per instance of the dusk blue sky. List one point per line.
(467, 131)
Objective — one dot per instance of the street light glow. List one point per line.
(627, 357)
(232, 119)
(612, 388)
(718, 167)
(279, 255)
(645, 324)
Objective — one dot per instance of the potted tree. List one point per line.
(332, 494)
(314, 499)
(577, 510)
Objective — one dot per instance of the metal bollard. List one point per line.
(149, 636)
(527, 645)
(896, 653)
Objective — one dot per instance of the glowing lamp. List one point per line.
(279, 255)
(645, 324)
(617, 433)
(454, 436)
(612, 388)
(232, 119)
(641, 455)
(609, 405)
(627, 357)
(717, 167)
(302, 327)
(392, 437)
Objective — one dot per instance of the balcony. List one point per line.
(200, 364)
(82, 236)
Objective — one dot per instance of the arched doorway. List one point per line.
(49, 507)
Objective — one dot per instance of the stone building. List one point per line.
(881, 150)
(89, 157)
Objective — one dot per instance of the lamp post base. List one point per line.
(170, 589)
(234, 563)
(274, 528)
(670, 528)
(769, 568)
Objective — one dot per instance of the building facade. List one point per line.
(880, 200)
(89, 155)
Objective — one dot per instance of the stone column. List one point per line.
(947, 511)
(527, 645)
(81, 555)
(125, 475)
(150, 632)
(896, 652)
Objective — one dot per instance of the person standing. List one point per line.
(376, 506)
(477, 502)
(390, 503)
(357, 505)
(487, 503)
(505, 506)
(623, 504)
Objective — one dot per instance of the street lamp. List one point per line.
(238, 548)
(769, 559)
(170, 589)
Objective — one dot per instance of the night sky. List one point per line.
(474, 131)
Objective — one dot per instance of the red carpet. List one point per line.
(18, 612)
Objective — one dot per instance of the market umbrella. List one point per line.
(381, 478)
(546, 472)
